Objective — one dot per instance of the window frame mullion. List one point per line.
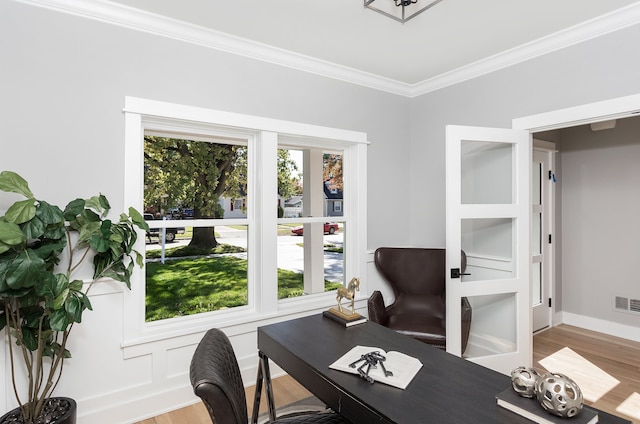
(263, 241)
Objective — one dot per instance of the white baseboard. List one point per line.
(607, 327)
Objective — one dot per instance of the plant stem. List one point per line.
(13, 372)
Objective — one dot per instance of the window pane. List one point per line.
(290, 183)
(333, 184)
(194, 269)
(293, 281)
(186, 179)
(334, 257)
(310, 184)
(182, 279)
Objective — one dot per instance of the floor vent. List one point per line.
(627, 305)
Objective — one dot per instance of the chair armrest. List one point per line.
(376, 308)
(466, 310)
(466, 322)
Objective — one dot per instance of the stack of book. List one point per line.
(347, 320)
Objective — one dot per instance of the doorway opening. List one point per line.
(585, 236)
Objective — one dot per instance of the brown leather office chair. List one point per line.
(417, 277)
(215, 377)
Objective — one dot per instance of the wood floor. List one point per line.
(606, 368)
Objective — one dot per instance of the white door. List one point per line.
(488, 209)
(542, 237)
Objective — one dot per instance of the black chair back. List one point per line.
(216, 379)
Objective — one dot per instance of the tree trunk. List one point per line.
(204, 238)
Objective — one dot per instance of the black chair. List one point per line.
(417, 277)
(215, 377)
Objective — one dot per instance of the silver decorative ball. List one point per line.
(523, 380)
(559, 395)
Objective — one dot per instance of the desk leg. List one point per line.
(264, 375)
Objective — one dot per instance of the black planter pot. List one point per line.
(59, 410)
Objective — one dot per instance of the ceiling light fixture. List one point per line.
(400, 10)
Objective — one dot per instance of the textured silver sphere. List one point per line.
(559, 395)
(523, 380)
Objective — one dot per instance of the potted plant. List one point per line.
(41, 248)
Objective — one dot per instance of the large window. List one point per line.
(243, 216)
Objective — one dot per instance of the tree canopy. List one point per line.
(181, 173)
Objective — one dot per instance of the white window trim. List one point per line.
(264, 135)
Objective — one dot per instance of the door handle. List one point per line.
(455, 273)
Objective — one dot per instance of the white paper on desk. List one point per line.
(403, 367)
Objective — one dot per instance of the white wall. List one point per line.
(64, 80)
(600, 229)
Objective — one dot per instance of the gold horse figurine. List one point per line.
(348, 293)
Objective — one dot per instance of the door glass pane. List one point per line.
(536, 184)
(488, 244)
(493, 326)
(487, 172)
(536, 233)
(536, 284)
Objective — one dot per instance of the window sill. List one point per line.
(187, 330)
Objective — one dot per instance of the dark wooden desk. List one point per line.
(447, 389)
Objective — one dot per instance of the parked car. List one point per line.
(170, 234)
(329, 228)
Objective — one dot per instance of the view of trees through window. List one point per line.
(197, 260)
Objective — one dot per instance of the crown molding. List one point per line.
(602, 25)
(139, 20)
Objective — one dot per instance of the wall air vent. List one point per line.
(625, 304)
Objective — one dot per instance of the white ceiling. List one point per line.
(449, 36)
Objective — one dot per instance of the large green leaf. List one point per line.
(76, 285)
(50, 288)
(104, 203)
(4, 269)
(56, 349)
(137, 219)
(73, 209)
(60, 320)
(74, 307)
(99, 204)
(99, 243)
(25, 270)
(4, 247)
(87, 231)
(61, 300)
(34, 228)
(21, 211)
(50, 247)
(50, 214)
(11, 234)
(14, 183)
(29, 338)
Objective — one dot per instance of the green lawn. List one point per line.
(193, 285)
